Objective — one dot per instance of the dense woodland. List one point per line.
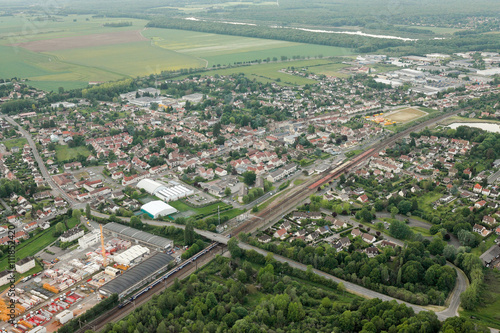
(252, 293)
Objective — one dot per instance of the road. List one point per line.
(454, 300)
(38, 159)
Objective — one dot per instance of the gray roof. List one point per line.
(137, 273)
(138, 234)
(492, 253)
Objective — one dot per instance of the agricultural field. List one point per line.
(71, 51)
(225, 49)
(64, 153)
(404, 115)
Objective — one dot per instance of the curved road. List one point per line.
(454, 299)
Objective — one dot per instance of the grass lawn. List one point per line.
(423, 231)
(427, 199)
(31, 246)
(19, 142)
(490, 241)
(181, 206)
(488, 313)
(232, 213)
(64, 153)
(297, 182)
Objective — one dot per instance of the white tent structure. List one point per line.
(158, 208)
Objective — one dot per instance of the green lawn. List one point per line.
(423, 231)
(181, 206)
(427, 199)
(489, 242)
(488, 313)
(19, 142)
(31, 246)
(298, 182)
(64, 153)
(232, 213)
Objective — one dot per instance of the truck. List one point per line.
(64, 316)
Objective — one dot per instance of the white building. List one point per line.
(89, 239)
(158, 208)
(5, 277)
(71, 235)
(25, 264)
(132, 255)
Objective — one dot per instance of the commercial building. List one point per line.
(165, 193)
(89, 239)
(158, 208)
(137, 236)
(71, 235)
(137, 276)
(25, 264)
(132, 255)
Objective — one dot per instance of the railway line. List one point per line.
(303, 191)
(145, 294)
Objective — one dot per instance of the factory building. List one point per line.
(138, 236)
(157, 209)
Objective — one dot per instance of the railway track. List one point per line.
(303, 191)
(122, 310)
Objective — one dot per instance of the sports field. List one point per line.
(404, 115)
(71, 51)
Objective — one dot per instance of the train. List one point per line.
(167, 275)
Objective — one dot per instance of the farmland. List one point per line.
(71, 51)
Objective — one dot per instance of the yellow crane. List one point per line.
(103, 250)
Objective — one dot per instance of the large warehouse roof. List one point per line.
(150, 185)
(145, 237)
(158, 208)
(136, 274)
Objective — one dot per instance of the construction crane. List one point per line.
(103, 250)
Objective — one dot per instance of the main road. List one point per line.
(38, 159)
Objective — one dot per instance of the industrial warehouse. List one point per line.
(166, 193)
(137, 236)
(138, 275)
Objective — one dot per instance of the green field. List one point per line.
(488, 313)
(181, 206)
(64, 153)
(20, 142)
(225, 49)
(73, 65)
(31, 246)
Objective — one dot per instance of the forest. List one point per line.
(253, 293)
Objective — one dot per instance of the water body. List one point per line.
(489, 127)
(357, 33)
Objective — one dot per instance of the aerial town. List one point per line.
(343, 176)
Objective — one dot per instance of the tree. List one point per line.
(400, 230)
(404, 207)
(394, 212)
(60, 228)
(227, 192)
(233, 248)
(189, 236)
(135, 222)
(87, 211)
(249, 177)
(341, 287)
(76, 214)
